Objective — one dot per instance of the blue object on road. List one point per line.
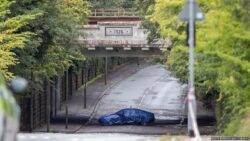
(128, 116)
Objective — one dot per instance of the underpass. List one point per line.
(146, 86)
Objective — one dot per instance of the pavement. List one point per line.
(102, 137)
(85, 137)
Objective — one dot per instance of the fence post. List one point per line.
(70, 80)
(31, 111)
(40, 108)
(95, 66)
(85, 85)
(66, 98)
(57, 94)
(53, 94)
(75, 81)
(106, 68)
(31, 103)
(47, 105)
(83, 76)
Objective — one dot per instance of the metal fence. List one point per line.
(114, 13)
(39, 106)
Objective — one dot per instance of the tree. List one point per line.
(54, 48)
(222, 54)
(144, 7)
(11, 37)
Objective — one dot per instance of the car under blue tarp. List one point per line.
(129, 116)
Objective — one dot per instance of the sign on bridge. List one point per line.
(118, 31)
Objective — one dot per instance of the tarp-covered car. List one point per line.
(128, 116)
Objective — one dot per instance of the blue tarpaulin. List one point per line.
(128, 116)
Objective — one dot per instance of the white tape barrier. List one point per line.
(191, 102)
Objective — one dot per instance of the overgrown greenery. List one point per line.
(42, 36)
(11, 36)
(142, 6)
(222, 55)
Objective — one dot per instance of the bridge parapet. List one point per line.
(114, 13)
(121, 35)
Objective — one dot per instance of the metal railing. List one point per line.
(114, 13)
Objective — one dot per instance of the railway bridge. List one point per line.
(118, 33)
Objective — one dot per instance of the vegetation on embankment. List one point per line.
(37, 39)
(222, 56)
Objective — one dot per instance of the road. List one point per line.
(152, 88)
(148, 86)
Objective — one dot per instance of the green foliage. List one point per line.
(164, 12)
(54, 48)
(177, 62)
(222, 53)
(38, 37)
(142, 6)
(11, 37)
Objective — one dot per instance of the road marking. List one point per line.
(145, 48)
(91, 48)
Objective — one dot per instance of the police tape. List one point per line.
(191, 109)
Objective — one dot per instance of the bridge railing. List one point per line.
(122, 43)
(114, 13)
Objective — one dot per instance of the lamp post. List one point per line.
(190, 13)
(106, 68)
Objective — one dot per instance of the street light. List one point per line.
(185, 13)
(191, 13)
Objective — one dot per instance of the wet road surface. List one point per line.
(148, 86)
(152, 88)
